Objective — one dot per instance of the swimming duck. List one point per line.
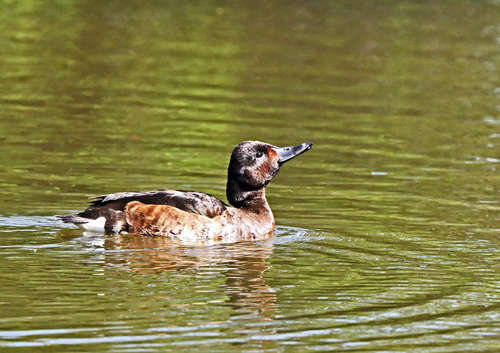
(195, 215)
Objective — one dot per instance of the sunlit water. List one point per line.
(388, 229)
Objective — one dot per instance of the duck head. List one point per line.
(253, 165)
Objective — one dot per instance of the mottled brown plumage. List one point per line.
(189, 215)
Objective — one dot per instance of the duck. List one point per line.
(195, 215)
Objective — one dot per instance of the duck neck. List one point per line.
(240, 197)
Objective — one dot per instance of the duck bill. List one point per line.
(287, 153)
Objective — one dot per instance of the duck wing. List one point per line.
(189, 201)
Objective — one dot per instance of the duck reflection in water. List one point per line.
(242, 264)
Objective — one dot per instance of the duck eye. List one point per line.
(259, 154)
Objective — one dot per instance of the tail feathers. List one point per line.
(73, 218)
(103, 220)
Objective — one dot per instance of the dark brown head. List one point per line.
(253, 165)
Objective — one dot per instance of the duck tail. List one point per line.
(98, 220)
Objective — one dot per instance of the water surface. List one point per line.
(388, 229)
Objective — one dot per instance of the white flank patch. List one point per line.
(95, 225)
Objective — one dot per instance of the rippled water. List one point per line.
(388, 229)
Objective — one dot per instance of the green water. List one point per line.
(388, 230)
